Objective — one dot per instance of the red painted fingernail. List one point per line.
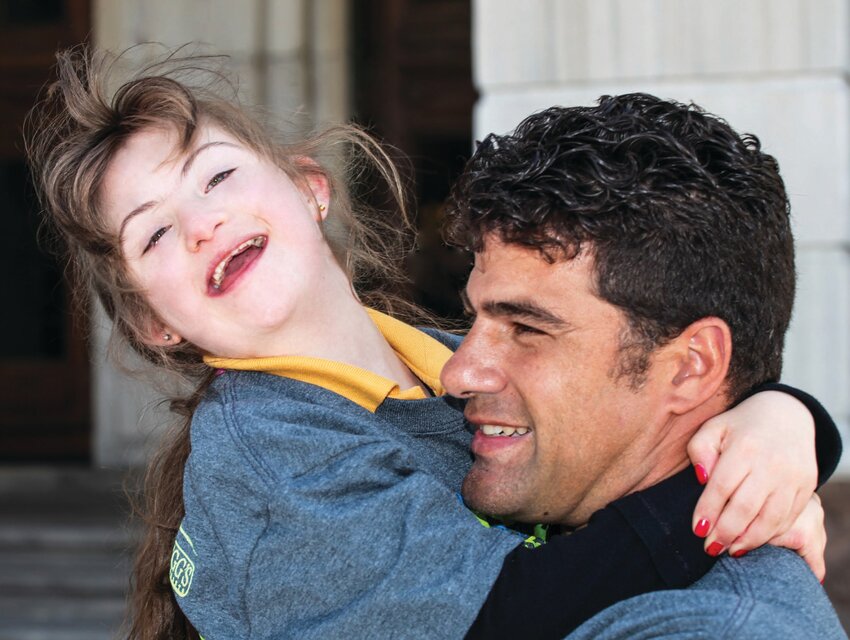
(714, 549)
(740, 553)
(702, 475)
(702, 528)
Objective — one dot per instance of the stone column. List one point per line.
(290, 57)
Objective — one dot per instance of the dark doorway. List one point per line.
(44, 377)
(413, 88)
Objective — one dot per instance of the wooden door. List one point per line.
(44, 378)
(413, 87)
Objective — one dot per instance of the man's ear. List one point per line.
(700, 358)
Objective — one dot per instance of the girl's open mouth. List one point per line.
(235, 263)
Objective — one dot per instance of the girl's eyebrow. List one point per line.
(140, 209)
(190, 159)
(187, 166)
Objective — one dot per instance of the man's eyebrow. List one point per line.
(516, 309)
(524, 309)
(190, 159)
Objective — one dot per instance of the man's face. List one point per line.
(559, 432)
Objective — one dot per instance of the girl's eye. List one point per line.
(217, 179)
(155, 238)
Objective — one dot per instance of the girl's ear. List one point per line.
(317, 183)
(321, 192)
(158, 335)
(164, 339)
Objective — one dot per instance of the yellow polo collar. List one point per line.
(421, 353)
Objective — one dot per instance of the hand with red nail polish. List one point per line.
(758, 464)
(807, 536)
(702, 527)
(714, 549)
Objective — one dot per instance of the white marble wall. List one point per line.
(777, 68)
(290, 56)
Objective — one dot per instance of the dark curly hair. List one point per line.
(684, 217)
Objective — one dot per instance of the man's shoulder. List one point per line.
(769, 594)
(774, 594)
(768, 573)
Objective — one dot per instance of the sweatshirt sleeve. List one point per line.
(305, 525)
(827, 439)
(639, 543)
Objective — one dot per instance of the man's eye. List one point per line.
(217, 179)
(525, 330)
(155, 238)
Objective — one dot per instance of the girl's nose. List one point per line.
(200, 225)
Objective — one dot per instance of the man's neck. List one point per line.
(671, 452)
(658, 455)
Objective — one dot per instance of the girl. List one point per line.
(311, 489)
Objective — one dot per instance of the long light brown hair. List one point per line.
(73, 134)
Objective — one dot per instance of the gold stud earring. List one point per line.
(322, 207)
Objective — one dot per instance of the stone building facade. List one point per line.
(778, 68)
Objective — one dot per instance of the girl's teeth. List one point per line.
(218, 274)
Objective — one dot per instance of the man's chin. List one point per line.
(484, 495)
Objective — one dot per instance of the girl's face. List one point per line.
(227, 249)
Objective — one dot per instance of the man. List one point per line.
(633, 277)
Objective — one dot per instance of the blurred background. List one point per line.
(430, 77)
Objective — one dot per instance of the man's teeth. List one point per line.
(498, 430)
(218, 274)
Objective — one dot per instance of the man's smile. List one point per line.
(503, 431)
(489, 438)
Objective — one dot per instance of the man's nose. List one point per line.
(199, 225)
(473, 369)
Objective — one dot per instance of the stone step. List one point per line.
(65, 549)
(84, 574)
(17, 480)
(77, 537)
(60, 618)
(58, 632)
